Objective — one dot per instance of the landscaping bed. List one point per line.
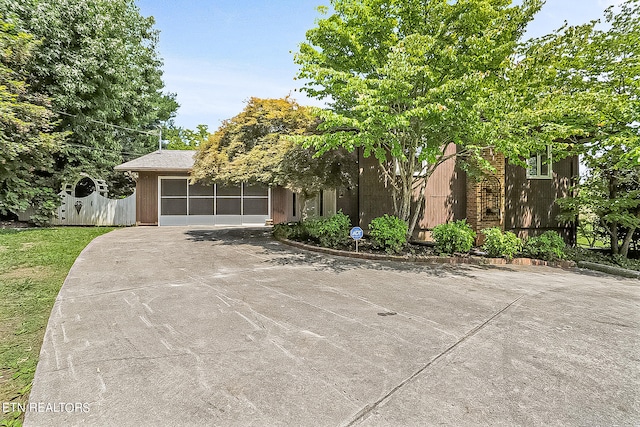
(453, 243)
(603, 257)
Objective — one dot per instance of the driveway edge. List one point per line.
(610, 269)
(473, 260)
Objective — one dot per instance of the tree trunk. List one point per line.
(614, 238)
(624, 250)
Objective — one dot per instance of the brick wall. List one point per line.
(489, 190)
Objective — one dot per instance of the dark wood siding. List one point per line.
(279, 206)
(530, 206)
(347, 202)
(445, 195)
(374, 198)
(147, 196)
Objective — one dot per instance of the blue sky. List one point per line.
(218, 53)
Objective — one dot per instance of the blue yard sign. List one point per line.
(356, 234)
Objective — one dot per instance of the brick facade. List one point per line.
(485, 196)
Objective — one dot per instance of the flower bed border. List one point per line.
(430, 259)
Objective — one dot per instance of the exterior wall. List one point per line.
(479, 192)
(374, 196)
(347, 202)
(282, 205)
(444, 195)
(530, 203)
(147, 196)
(280, 209)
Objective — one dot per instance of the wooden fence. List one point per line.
(96, 210)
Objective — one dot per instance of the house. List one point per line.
(165, 196)
(513, 198)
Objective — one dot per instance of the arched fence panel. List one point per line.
(96, 209)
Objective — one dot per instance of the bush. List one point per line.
(334, 231)
(548, 246)
(292, 231)
(330, 232)
(453, 237)
(499, 244)
(312, 227)
(388, 233)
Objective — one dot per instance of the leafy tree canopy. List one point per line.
(256, 147)
(180, 138)
(97, 60)
(27, 139)
(583, 97)
(576, 90)
(407, 78)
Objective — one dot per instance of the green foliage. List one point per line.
(453, 237)
(548, 246)
(28, 141)
(602, 257)
(499, 244)
(406, 80)
(330, 232)
(389, 233)
(256, 146)
(577, 90)
(184, 139)
(610, 191)
(97, 61)
(292, 231)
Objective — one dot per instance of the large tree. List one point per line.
(405, 79)
(578, 91)
(98, 62)
(257, 146)
(27, 139)
(179, 138)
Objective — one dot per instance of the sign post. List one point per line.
(356, 234)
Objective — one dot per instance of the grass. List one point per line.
(33, 265)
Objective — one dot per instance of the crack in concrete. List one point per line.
(364, 412)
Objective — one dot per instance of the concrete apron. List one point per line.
(191, 326)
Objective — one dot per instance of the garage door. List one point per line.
(181, 203)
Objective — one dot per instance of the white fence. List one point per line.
(96, 210)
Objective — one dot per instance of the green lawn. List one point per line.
(33, 266)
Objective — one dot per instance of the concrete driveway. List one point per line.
(185, 326)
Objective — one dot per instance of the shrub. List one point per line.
(312, 227)
(331, 232)
(334, 231)
(453, 237)
(292, 231)
(389, 233)
(499, 244)
(548, 246)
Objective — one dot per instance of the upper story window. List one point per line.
(540, 165)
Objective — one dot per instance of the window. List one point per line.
(294, 205)
(540, 166)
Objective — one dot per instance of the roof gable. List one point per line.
(161, 161)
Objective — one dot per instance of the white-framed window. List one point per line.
(540, 166)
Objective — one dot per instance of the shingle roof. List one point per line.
(164, 160)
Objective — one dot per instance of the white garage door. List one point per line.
(181, 203)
